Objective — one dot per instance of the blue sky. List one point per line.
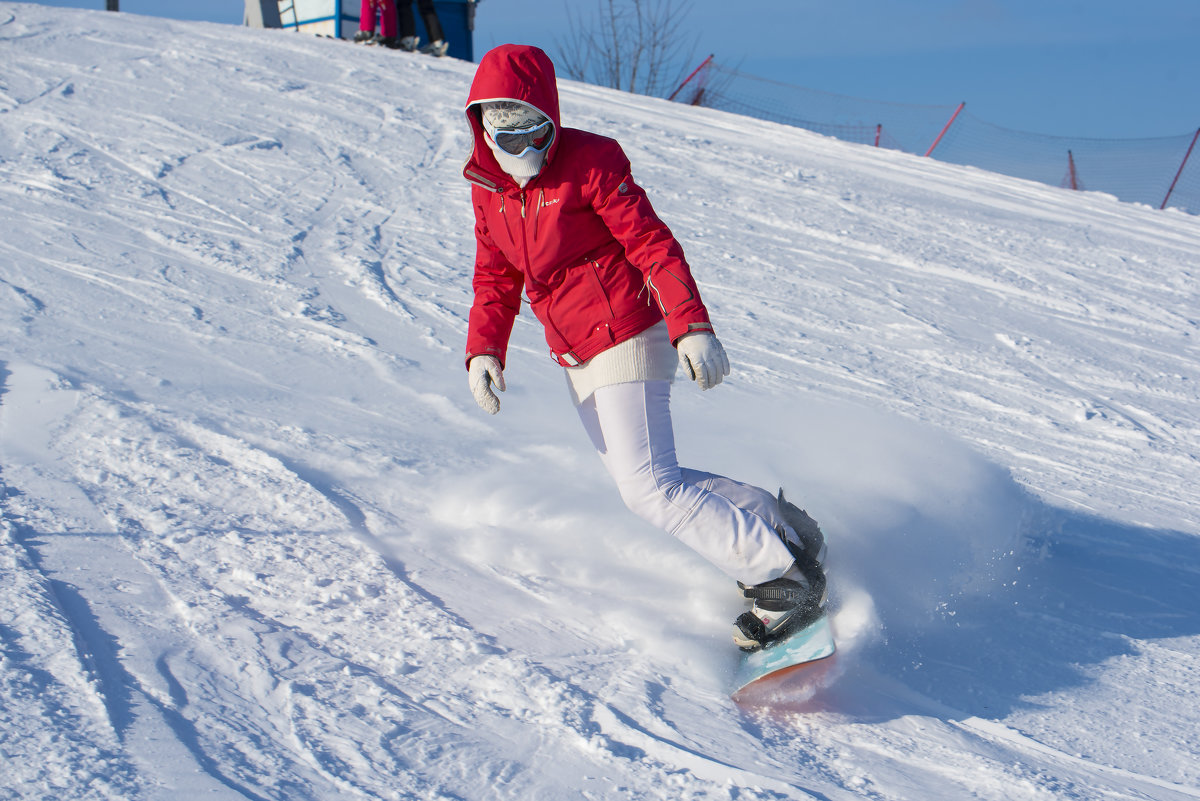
(1092, 68)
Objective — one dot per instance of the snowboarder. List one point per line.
(559, 216)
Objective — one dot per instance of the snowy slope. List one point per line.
(257, 542)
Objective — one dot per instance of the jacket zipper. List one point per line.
(524, 237)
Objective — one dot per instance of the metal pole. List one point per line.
(1180, 171)
(703, 64)
(950, 122)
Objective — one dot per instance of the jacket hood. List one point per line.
(509, 72)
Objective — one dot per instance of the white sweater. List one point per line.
(649, 356)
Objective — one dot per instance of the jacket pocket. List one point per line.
(578, 306)
(593, 269)
(669, 290)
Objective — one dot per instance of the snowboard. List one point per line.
(803, 658)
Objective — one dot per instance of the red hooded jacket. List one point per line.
(581, 238)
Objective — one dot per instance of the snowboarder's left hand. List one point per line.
(482, 372)
(701, 354)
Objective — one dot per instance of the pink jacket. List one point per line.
(581, 238)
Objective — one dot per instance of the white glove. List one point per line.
(703, 357)
(482, 372)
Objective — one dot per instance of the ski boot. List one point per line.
(436, 48)
(364, 37)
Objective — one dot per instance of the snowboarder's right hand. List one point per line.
(482, 372)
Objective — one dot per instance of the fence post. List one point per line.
(1179, 172)
(878, 131)
(679, 88)
(945, 128)
(1071, 170)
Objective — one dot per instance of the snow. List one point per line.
(257, 542)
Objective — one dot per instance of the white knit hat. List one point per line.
(511, 114)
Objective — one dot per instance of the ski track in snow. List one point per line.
(256, 542)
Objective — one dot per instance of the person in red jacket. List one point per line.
(559, 217)
(386, 9)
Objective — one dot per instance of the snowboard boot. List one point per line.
(811, 538)
(364, 37)
(409, 43)
(782, 605)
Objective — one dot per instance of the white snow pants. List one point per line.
(729, 523)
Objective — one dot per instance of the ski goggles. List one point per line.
(519, 141)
